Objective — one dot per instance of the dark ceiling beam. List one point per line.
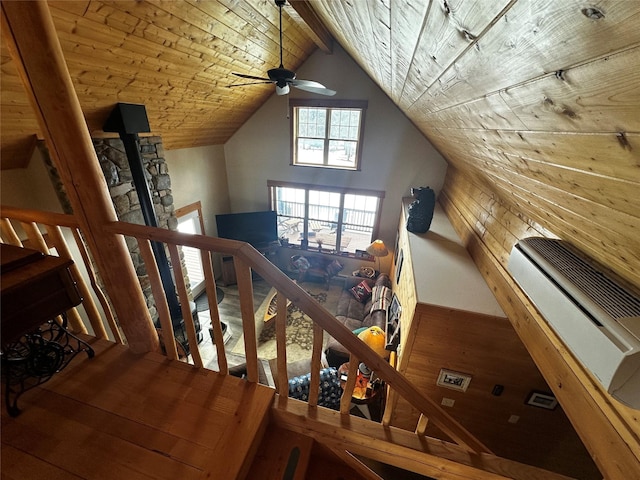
(316, 29)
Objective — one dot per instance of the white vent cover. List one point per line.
(597, 317)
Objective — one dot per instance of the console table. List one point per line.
(36, 291)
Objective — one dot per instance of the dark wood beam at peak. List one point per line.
(314, 26)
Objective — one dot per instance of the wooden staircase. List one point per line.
(287, 455)
(123, 415)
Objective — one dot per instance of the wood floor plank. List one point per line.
(18, 465)
(172, 446)
(121, 415)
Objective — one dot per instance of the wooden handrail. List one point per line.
(404, 449)
(246, 256)
(38, 216)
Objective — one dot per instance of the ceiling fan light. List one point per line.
(282, 90)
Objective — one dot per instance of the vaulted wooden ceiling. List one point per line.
(538, 99)
(176, 57)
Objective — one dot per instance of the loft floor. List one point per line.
(121, 415)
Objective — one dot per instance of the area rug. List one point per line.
(299, 331)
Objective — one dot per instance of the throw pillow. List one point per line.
(362, 291)
(301, 264)
(334, 267)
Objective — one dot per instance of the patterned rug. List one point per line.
(299, 327)
(299, 331)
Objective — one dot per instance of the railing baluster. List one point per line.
(212, 297)
(281, 345)
(9, 234)
(392, 395)
(316, 355)
(423, 421)
(245, 290)
(189, 324)
(90, 307)
(159, 296)
(347, 394)
(102, 298)
(35, 237)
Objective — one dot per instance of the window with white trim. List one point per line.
(190, 221)
(327, 133)
(326, 218)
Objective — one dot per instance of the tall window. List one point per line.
(328, 218)
(190, 221)
(327, 133)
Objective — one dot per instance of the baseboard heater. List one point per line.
(595, 315)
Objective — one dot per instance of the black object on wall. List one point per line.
(421, 210)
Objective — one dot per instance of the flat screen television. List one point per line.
(257, 228)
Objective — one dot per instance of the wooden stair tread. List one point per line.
(121, 415)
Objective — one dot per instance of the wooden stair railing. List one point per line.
(247, 258)
(426, 456)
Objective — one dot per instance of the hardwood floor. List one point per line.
(229, 309)
(121, 415)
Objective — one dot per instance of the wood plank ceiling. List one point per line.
(535, 104)
(176, 57)
(538, 100)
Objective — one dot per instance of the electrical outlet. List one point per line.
(448, 402)
(514, 419)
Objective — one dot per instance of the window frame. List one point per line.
(328, 105)
(380, 194)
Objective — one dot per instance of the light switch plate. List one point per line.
(448, 402)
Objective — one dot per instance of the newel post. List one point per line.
(33, 42)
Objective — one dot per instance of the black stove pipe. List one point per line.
(128, 120)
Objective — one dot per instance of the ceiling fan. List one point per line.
(282, 77)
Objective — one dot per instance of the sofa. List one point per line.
(356, 310)
(310, 268)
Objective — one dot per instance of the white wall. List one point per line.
(200, 174)
(395, 155)
(29, 187)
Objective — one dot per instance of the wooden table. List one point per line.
(35, 290)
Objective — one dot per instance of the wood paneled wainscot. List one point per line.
(451, 320)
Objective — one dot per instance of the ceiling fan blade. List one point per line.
(251, 77)
(250, 83)
(313, 87)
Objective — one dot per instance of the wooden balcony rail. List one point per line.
(53, 224)
(245, 259)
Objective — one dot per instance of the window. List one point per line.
(327, 133)
(328, 218)
(190, 221)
